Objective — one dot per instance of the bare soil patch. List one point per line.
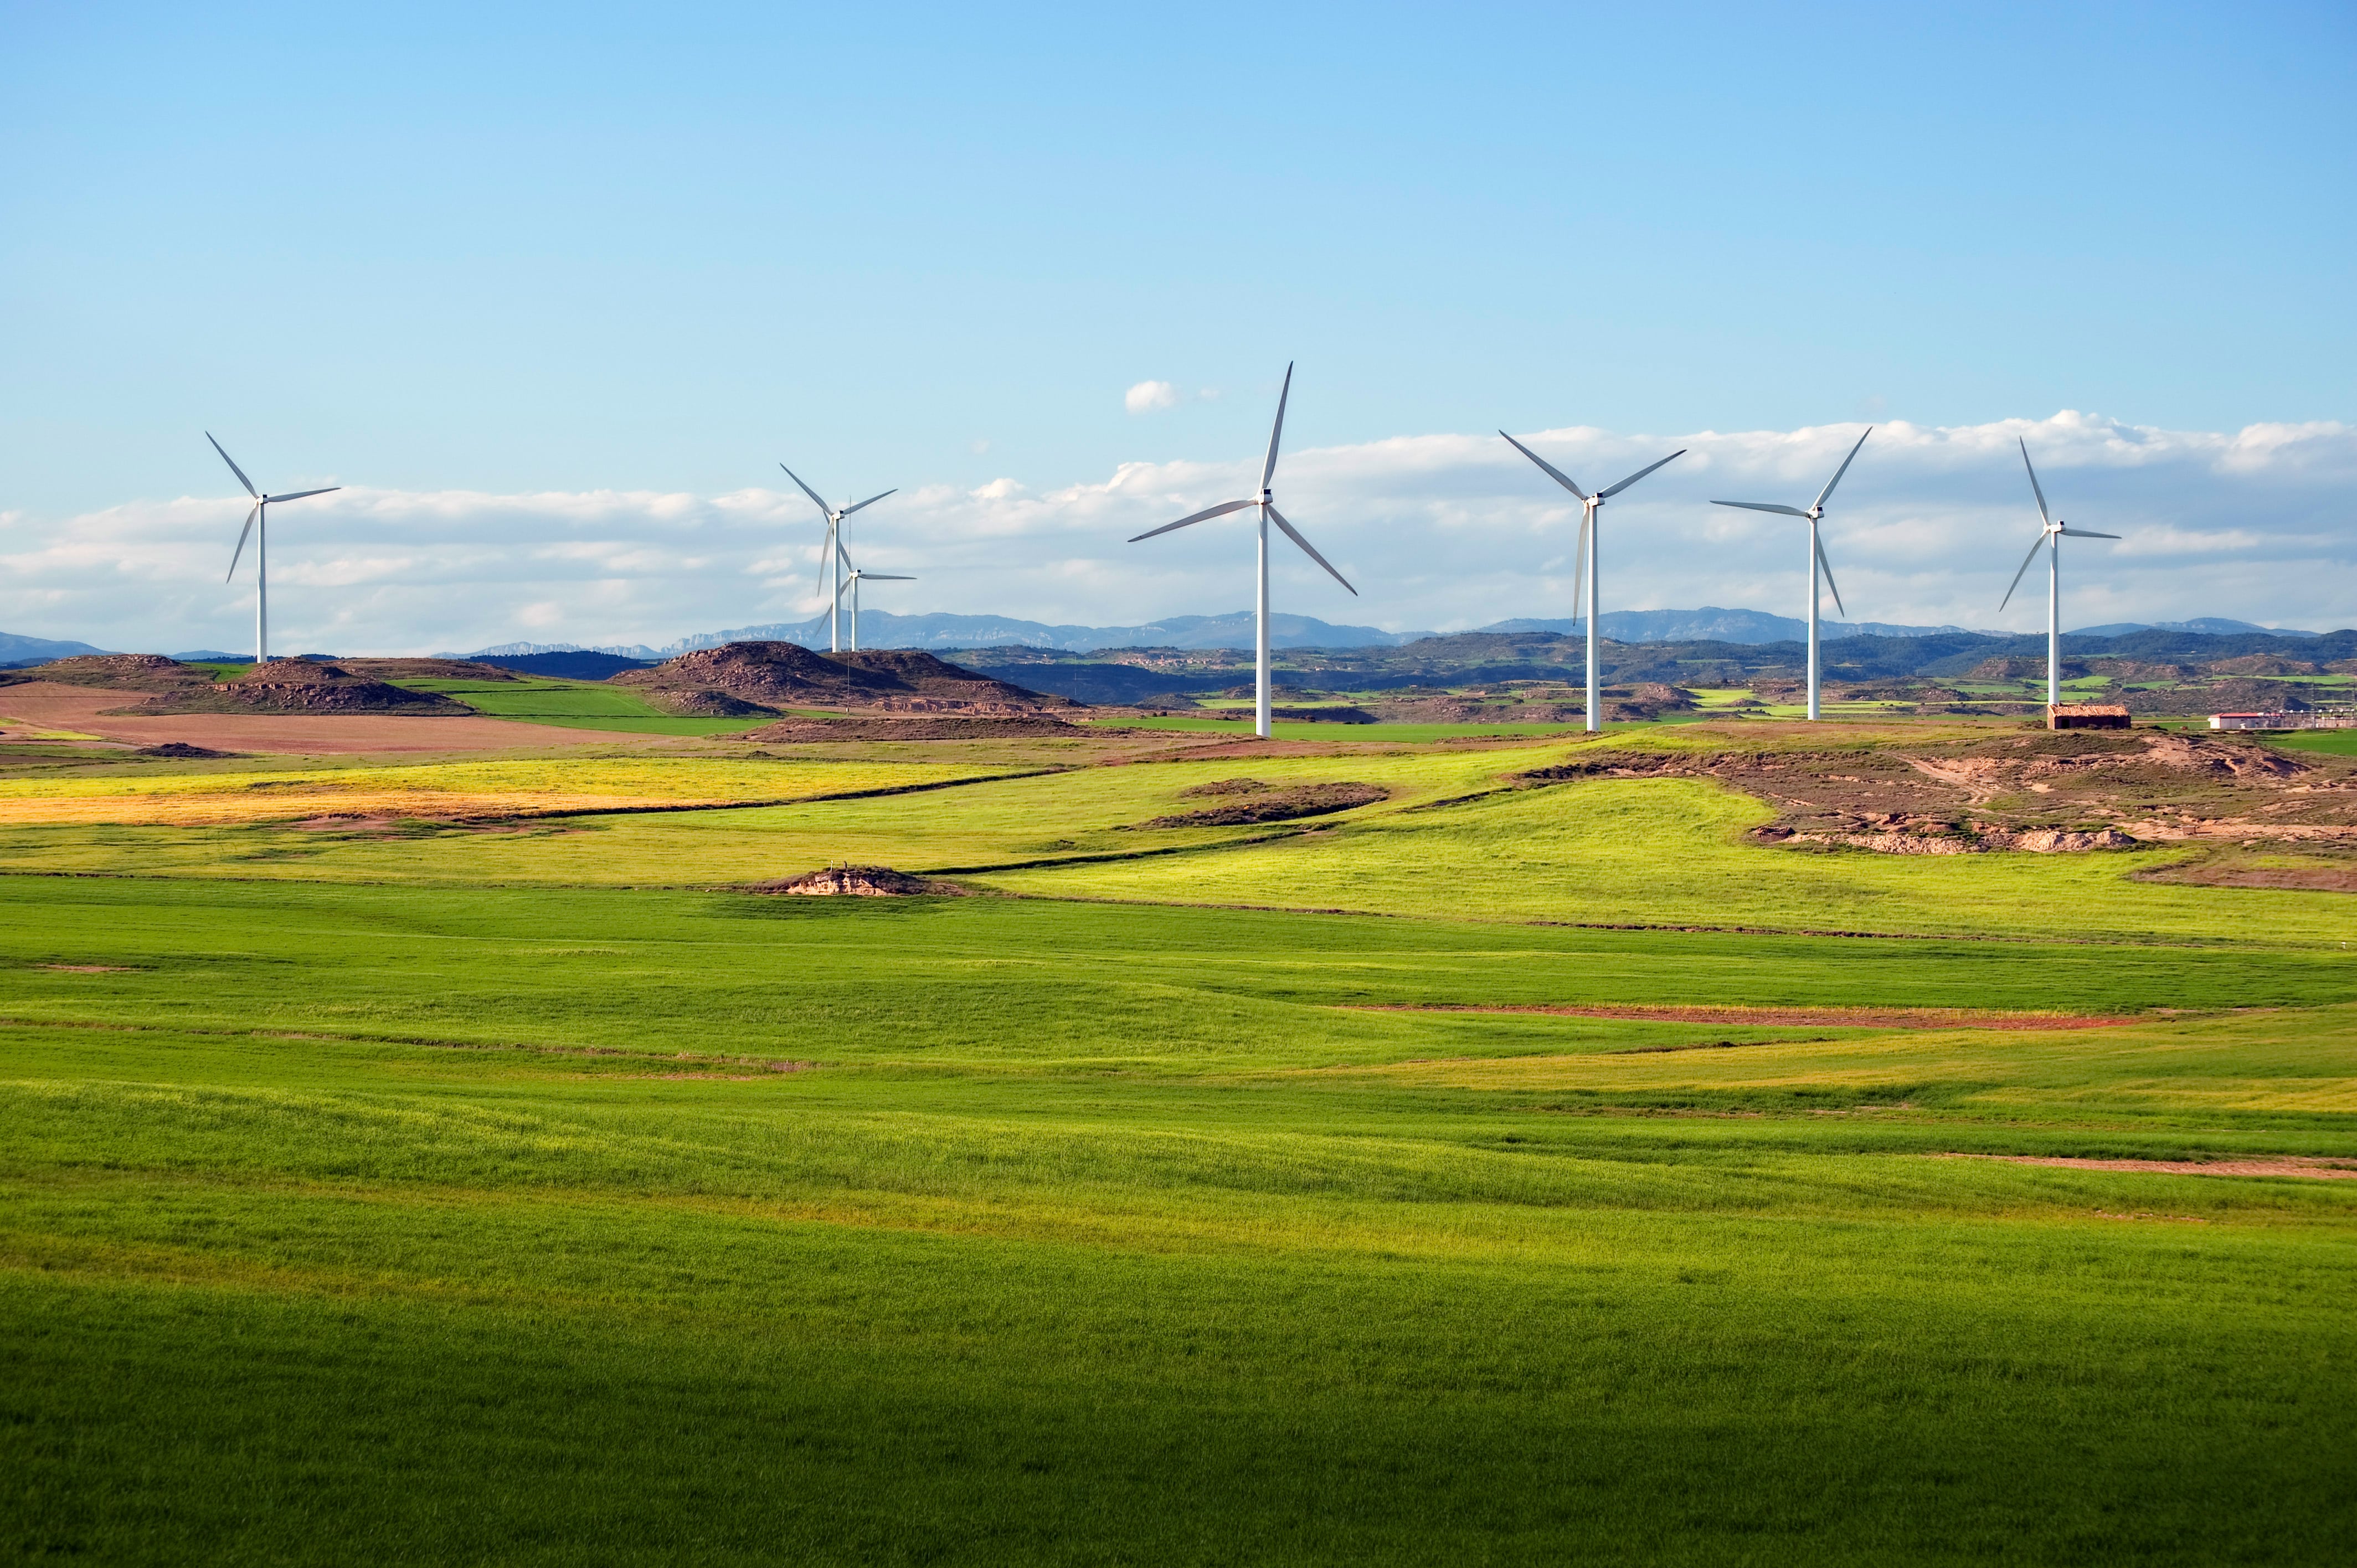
(942, 726)
(1783, 1017)
(2273, 1166)
(97, 711)
(862, 882)
(1249, 800)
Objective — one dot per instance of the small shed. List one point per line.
(2086, 716)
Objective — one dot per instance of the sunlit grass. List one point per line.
(538, 785)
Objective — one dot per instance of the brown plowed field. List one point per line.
(44, 704)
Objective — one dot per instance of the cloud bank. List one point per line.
(1439, 531)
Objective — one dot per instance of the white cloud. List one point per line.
(1147, 396)
(1438, 531)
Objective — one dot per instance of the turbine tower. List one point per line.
(833, 555)
(1585, 567)
(1818, 564)
(2050, 538)
(1268, 513)
(852, 582)
(260, 513)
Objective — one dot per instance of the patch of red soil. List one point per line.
(2277, 1166)
(933, 727)
(1785, 1017)
(53, 705)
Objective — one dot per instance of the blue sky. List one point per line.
(516, 250)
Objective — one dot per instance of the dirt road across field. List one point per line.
(37, 707)
(2274, 1166)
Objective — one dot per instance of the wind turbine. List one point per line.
(852, 582)
(259, 513)
(2050, 538)
(1268, 514)
(1817, 561)
(1586, 555)
(833, 557)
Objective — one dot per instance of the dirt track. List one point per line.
(44, 704)
(1779, 1017)
(2278, 1165)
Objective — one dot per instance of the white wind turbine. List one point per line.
(2050, 538)
(260, 513)
(1818, 564)
(835, 561)
(1586, 557)
(851, 581)
(1268, 514)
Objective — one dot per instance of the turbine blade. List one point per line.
(1763, 506)
(298, 495)
(234, 469)
(2033, 482)
(2025, 566)
(1553, 472)
(871, 500)
(886, 577)
(1828, 568)
(1640, 474)
(844, 556)
(254, 511)
(1268, 468)
(2082, 532)
(1840, 471)
(824, 511)
(1221, 510)
(1308, 549)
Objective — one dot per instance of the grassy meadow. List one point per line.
(425, 1189)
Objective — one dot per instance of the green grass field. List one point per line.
(575, 704)
(458, 1195)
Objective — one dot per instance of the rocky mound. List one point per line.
(784, 675)
(2045, 792)
(297, 686)
(706, 703)
(182, 751)
(1250, 800)
(862, 882)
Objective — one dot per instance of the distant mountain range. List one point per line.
(2212, 626)
(1711, 624)
(881, 629)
